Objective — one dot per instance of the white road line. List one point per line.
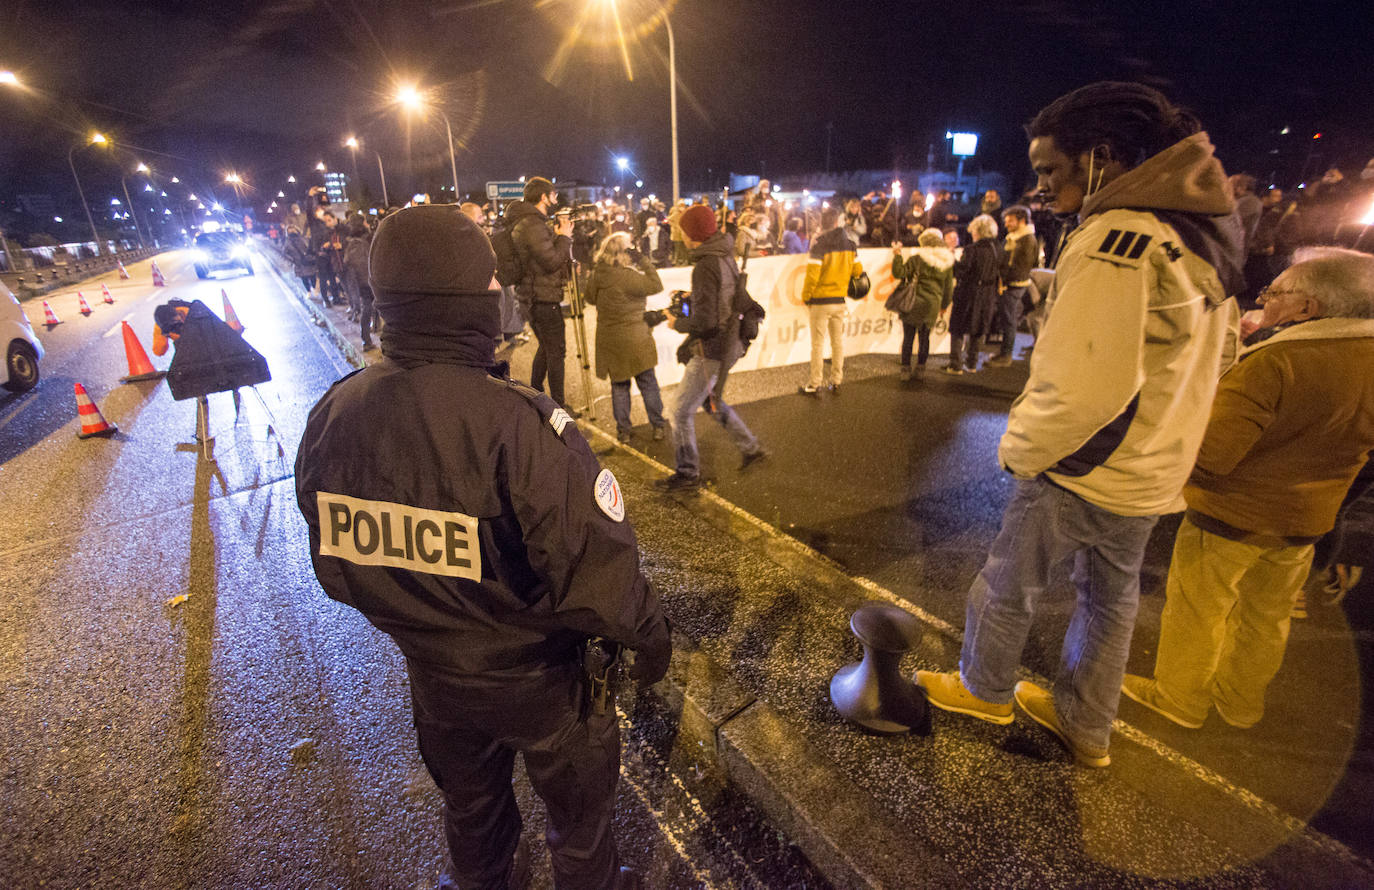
(1204, 774)
(24, 402)
(115, 330)
(665, 827)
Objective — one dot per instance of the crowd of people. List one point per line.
(1171, 290)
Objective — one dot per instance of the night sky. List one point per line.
(273, 87)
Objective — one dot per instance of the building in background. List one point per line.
(336, 186)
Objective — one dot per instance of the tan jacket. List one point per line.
(1291, 426)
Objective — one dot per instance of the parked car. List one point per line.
(22, 347)
(222, 250)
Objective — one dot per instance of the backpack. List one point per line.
(750, 313)
(509, 272)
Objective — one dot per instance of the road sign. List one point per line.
(505, 191)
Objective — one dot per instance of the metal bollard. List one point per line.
(874, 693)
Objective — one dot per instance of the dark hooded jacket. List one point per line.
(713, 324)
(545, 259)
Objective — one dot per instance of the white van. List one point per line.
(22, 347)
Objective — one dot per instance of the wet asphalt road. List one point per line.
(254, 733)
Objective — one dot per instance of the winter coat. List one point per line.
(1140, 326)
(298, 253)
(624, 345)
(355, 254)
(933, 270)
(1290, 428)
(832, 262)
(975, 289)
(1019, 256)
(545, 259)
(712, 323)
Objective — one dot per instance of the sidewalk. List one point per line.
(763, 624)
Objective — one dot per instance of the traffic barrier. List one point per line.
(140, 368)
(49, 317)
(158, 280)
(123, 272)
(874, 693)
(230, 318)
(105, 294)
(93, 423)
(84, 306)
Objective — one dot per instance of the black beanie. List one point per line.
(429, 251)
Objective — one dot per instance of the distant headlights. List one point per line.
(200, 256)
(239, 252)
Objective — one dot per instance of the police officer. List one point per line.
(465, 516)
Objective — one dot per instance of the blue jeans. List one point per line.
(647, 382)
(1009, 315)
(696, 385)
(1044, 525)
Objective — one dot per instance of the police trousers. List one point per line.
(469, 733)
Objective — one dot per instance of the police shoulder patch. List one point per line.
(606, 493)
(1122, 246)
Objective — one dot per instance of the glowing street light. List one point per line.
(290, 179)
(320, 166)
(352, 143)
(174, 179)
(9, 78)
(623, 164)
(408, 96)
(93, 139)
(233, 178)
(281, 194)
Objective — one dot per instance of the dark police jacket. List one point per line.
(466, 517)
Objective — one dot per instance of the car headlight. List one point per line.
(200, 256)
(240, 251)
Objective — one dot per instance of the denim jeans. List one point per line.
(1008, 316)
(696, 384)
(1042, 527)
(647, 382)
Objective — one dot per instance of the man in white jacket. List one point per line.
(1107, 428)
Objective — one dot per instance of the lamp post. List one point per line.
(141, 168)
(96, 139)
(352, 142)
(410, 98)
(672, 101)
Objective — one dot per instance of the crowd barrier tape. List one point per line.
(785, 335)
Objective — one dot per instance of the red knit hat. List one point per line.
(698, 222)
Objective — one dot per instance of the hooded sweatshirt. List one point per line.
(1140, 328)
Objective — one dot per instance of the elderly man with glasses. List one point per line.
(1291, 426)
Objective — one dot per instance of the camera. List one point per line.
(680, 304)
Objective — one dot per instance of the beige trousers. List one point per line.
(827, 319)
(1224, 627)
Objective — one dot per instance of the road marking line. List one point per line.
(1205, 774)
(115, 330)
(665, 823)
(21, 403)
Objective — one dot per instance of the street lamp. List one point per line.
(410, 97)
(352, 142)
(95, 139)
(9, 78)
(141, 168)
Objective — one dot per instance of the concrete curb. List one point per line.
(28, 291)
(288, 283)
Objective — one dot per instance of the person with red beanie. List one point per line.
(712, 346)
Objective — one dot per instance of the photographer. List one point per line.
(546, 261)
(712, 346)
(625, 348)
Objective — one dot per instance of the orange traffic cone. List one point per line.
(140, 368)
(85, 307)
(105, 291)
(230, 318)
(93, 423)
(123, 272)
(158, 280)
(49, 317)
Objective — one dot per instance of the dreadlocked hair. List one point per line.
(1134, 121)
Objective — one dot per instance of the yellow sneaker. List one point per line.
(946, 691)
(1039, 706)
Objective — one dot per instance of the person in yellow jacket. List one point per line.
(833, 261)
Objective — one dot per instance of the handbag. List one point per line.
(903, 298)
